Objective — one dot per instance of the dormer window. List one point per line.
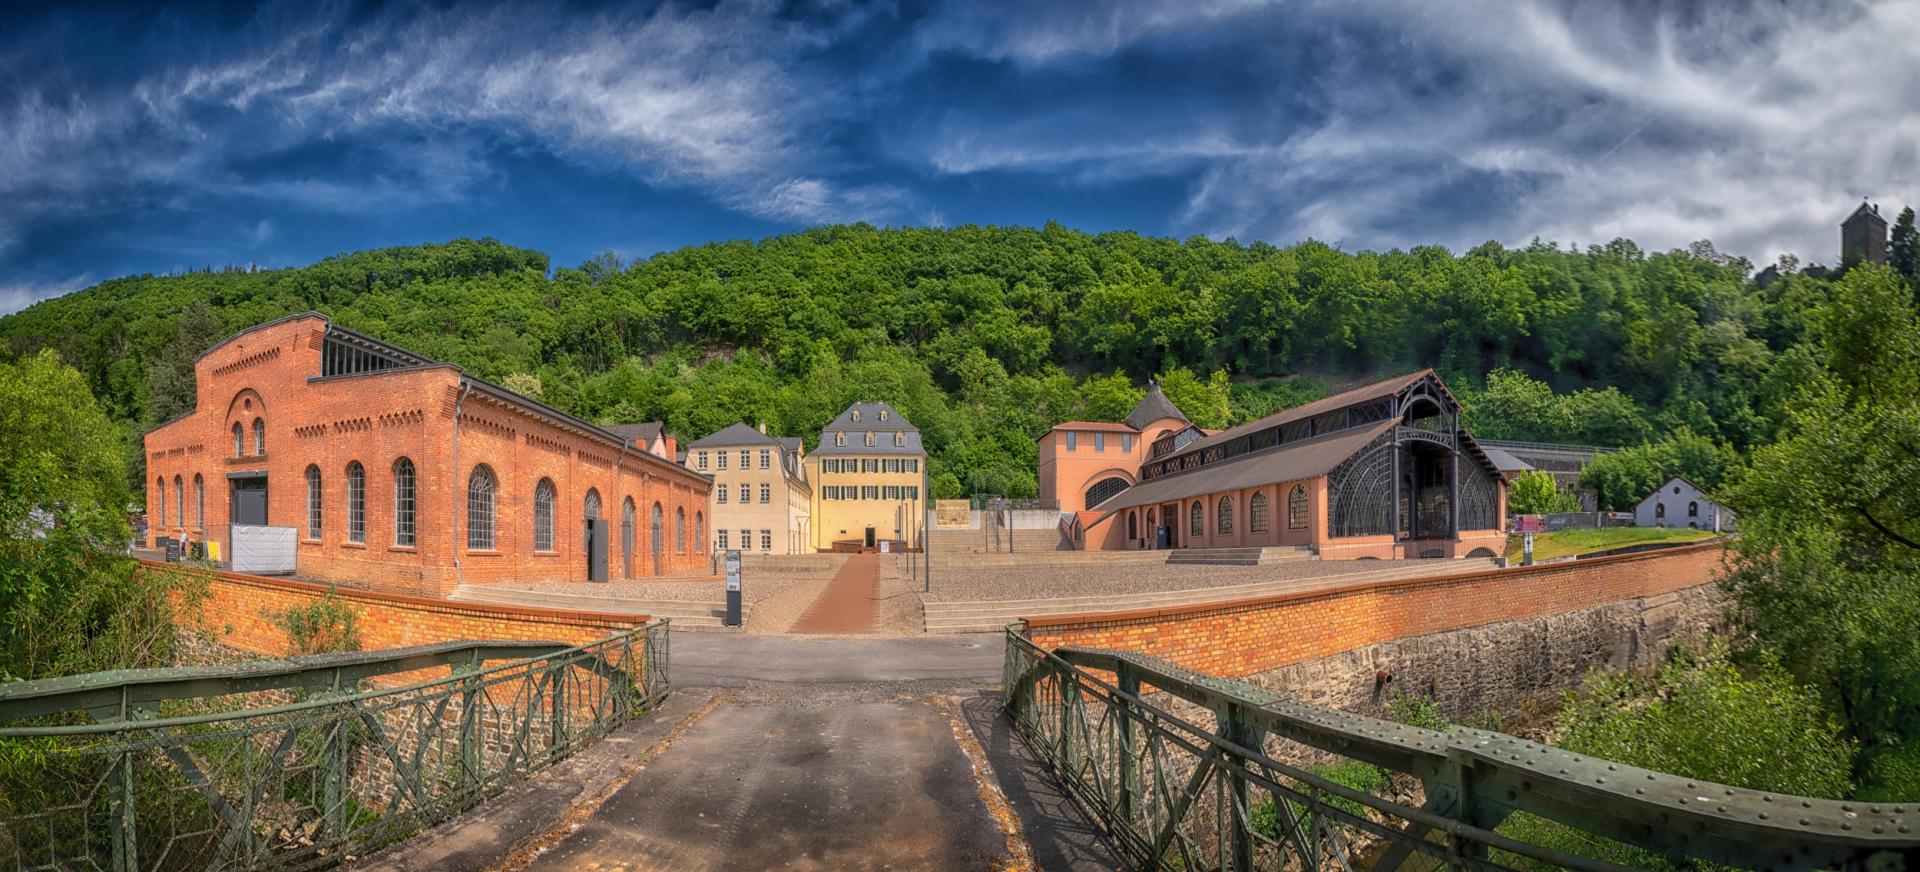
(883, 414)
(840, 439)
(869, 438)
(899, 440)
(856, 414)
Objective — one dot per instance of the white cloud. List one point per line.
(18, 295)
(1759, 126)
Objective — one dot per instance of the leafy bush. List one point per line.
(322, 626)
(1701, 717)
(1534, 492)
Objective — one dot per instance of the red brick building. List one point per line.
(1383, 471)
(403, 474)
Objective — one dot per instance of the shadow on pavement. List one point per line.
(1058, 831)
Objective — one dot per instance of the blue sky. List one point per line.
(278, 134)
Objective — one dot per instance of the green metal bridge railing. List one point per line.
(299, 763)
(1174, 793)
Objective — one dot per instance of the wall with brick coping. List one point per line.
(239, 614)
(1248, 636)
(1517, 669)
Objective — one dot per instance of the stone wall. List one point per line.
(1260, 634)
(1516, 669)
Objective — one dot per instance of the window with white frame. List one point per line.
(840, 439)
(543, 499)
(900, 440)
(869, 438)
(746, 540)
(766, 458)
(700, 460)
(766, 494)
(720, 494)
(766, 540)
(356, 502)
(720, 460)
(721, 535)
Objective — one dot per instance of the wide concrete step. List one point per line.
(1246, 556)
(685, 614)
(993, 615)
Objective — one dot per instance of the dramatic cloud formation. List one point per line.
(152, 141)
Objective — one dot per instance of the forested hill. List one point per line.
(985, 336)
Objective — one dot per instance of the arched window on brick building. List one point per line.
(160, 500)
(1257, 512)
(1297, 507)
(626, 537)
(356, 502)
(591, 508)
(482, 489)
(199, 501)
(680, 530)
(180, 501)
(1197, 519)
(543, 497)
(1225, 520)
(315, 503)
(700, 530)
(259, 437)
(239, 440)
(1133, 524)
(404, 503)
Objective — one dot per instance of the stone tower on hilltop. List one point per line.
(1863, 236)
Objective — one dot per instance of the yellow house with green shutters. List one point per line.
(869, 476)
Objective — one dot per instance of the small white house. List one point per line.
(1681, 503)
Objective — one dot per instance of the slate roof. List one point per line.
(735, 434)
(1153, 407)
(1503, 461)
(870, 423)
(1338, 401)
(641, 435)
(1300, 460)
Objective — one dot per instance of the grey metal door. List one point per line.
(250, 501)
(596, 549)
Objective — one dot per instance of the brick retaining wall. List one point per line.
(1258, 634)
(239, 614)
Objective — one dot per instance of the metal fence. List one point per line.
(1243, 778)
(301, 763)
(262, 550)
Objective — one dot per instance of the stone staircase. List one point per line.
(700, 615)
(981, 542)
(1253, 556)
(994, 615)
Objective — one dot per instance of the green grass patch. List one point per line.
(1572, 543)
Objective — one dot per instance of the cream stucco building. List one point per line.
(869, 480)
(762, 501)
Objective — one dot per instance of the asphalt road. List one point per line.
(790, 752)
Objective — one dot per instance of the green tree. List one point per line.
(1534, 492)
(1903, 250)
(67, 603)
(1205, 403)
(1830, 519)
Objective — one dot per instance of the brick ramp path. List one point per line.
(847, 605)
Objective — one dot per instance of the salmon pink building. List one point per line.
(367, 465)
(1383, 471)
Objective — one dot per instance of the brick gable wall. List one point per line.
(420, 414)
